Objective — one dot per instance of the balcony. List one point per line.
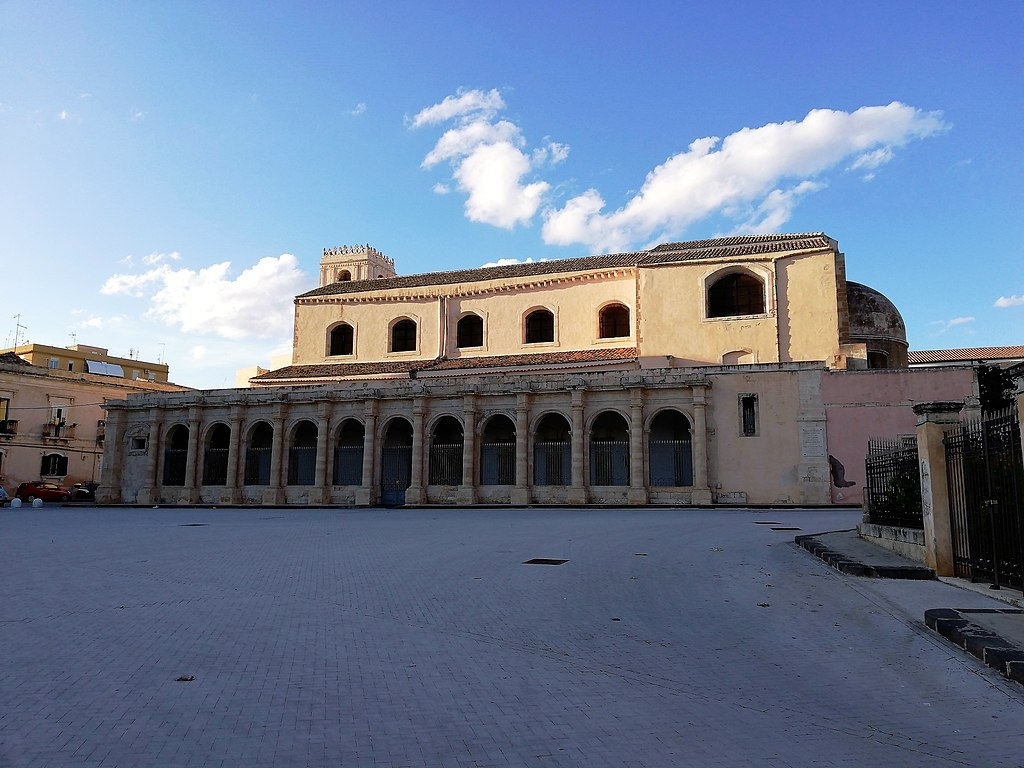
(8, 428)
(59, 431)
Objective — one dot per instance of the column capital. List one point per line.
(938, 412)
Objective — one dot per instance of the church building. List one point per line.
(689, 373)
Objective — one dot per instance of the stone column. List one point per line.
(416, 493)
(190, 493)
(234, 489)
(701, 493)
(275, 493)
(150, 493)
(578, 491)
(111, 474)
(637, 476)
(521, 491)
(467, 491)
(367, 494)
(934, 420)
(321, 493)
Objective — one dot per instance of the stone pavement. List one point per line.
(994, 635)
(415, 638)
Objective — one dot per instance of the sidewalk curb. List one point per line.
(998, 653)
(844, 564)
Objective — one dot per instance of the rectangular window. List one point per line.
(71, 365)
(139, 443)
(748, 415)
(54, 363)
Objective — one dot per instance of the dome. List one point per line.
(875, 321)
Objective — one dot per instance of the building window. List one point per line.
(736, 294)
(54, 465)
(470, 332)
(54, 363)
(748, 415)
(302, 454)
(341, 340)
(344, 276)
(877, 359)
(403, 336)
(215, 456)
(614, 322)
(348, 454)
(258, 454)
(540, 327)
(139, 443)
(71, 365)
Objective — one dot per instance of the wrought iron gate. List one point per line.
(985, 479)
(395, 474)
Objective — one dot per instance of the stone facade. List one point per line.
(690, 373)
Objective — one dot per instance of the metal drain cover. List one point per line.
(193, 525)
(544, 561)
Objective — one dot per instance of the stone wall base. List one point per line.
(908, 542)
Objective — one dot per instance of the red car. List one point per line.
(39, 489)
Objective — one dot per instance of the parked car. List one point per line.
(39, 489)
(84, 491)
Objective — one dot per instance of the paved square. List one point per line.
(420, 638)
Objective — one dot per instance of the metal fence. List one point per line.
(609, 462)
(671, 463)
(552, 463)
(498, 464)
(892, 489)
(175, 461)
(215, 466)
(445, 464)
(257, 465)
(985, 477)
(348, 464)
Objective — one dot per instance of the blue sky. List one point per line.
(171, 172)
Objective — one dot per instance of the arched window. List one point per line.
(403, 336)
(470, 332)
(540, 327)
(552, 451)
(302, 454)
(498, 452)
(176, 455)
(395, 462)
(344, 276)
(669, 449)
(446, 452)
(609, 450)
(735, 294)
(257, 454)
(348, 454)
(215, 457)
(614, 321)
(341, 340)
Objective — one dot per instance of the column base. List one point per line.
(701, 496)
(520, 497)
(366, 497)
(576, 496)
(319, 496)
(415, 494)
(465, 496)
(637, 496)
(273, 497)
(148, 496)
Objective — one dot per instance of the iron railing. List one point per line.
(892, 490)
(498, 463)
(985, 480)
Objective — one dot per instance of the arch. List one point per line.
(539, 326)
(215, 454)
(344, 276)
(348, 453)
(446, 444)
(669, 450)
(613, 321)
(302, 453)
(258, 453)
(735, 293)
(53, 465)
(469, 332)
(552, 451)
(341, 340)
(403, 335)
(739, 357)
(176, 455)
(396, 461)
(498, 451)
(609, 449)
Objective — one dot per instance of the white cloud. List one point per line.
(255, 304)
(359, 109)
(156, 258)
(945, 325)
(749, 167)
(489, 163)
(1009, 301)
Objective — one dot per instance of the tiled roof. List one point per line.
(526, 362)
(964, 355)
(9, 358)
(723, 247)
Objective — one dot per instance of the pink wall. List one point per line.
(877, 404)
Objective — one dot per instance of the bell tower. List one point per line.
(346, 263)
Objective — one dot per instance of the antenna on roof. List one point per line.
(18, 328)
